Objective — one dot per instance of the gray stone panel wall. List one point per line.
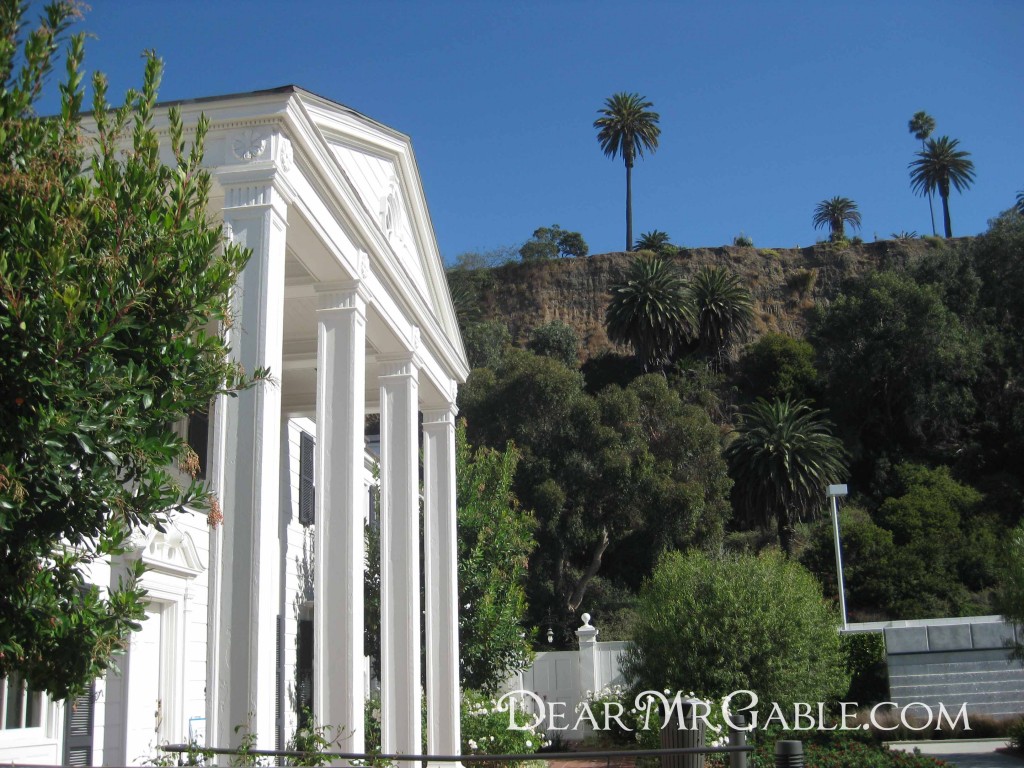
(956, 663)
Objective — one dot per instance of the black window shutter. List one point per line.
(307, 487)
(304, 671)
(78, 722)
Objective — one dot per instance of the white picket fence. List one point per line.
(561, 680)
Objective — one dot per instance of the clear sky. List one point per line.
(766, 108)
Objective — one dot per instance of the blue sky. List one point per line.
(766, 107)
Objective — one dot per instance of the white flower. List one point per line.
(529, 743)
(472, 744)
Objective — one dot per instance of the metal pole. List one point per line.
(839, 561)
(738, 738)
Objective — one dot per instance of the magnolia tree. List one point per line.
(111, 279)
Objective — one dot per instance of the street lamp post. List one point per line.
(834, 491)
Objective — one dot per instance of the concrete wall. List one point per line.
(956, 661)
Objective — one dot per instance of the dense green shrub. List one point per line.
(778, 366)
(865, 661)
(720, 624)
(558, 340)
(486, 343)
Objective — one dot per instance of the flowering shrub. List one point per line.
(485, 729)
(637, 720)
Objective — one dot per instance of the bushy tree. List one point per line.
(870, 568)
(110, 277)
(495, 541)
(486, 342)
(912, 360)
(557, 340)
(931, 516)
(715, 625)
(630, 471)
(1010, 595)
(778, 366)
(553, 241)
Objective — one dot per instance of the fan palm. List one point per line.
(722, 310)
(1020, 203)
(627, 127)
(835, 214)
(655, 240)
(783, 457)
(938, 166)
(649, 311)
(921, 125)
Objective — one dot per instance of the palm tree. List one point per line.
(1020, 203)
(835, 214)
(939, 165)
(783, 457)
(649, 312)
(655, 240)
(921, 125)
(627, 127)
(722, 310)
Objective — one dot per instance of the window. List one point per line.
(307, 485)
(198, 438)
(19, 707)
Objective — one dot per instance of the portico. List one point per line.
(344, 302)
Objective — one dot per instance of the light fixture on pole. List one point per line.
(833, 492)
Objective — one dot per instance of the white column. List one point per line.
(338, 688)
(442, 589)
(400, 557)
(249, 478)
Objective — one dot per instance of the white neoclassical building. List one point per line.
(345, 301)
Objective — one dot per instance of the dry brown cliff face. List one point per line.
(785, 285)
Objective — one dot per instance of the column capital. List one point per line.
(392, 366)
(440, 416)
(254, 187)
(345, 294)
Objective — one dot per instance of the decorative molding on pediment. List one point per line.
(170, 551)
(250, 144)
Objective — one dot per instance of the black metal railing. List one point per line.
(737, 753)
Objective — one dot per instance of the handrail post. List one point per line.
(738, 738)
(789, 754)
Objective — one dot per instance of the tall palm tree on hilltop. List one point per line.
(627, 127)
(939, 165)
(921, 125)
(835, 214)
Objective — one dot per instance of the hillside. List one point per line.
(785, 284)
